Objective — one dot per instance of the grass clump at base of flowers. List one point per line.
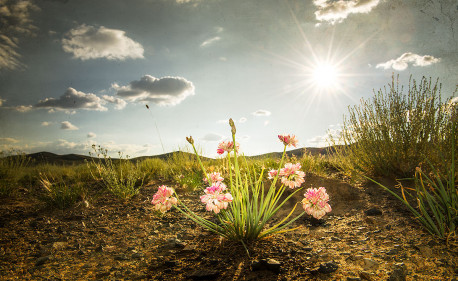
(62, 193)
(393, 133)
(12, 169)
(244, 207)
(122, 178)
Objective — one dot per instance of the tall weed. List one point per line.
(394, 132)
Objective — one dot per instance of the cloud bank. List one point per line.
(14, 22)
(88, 42)
(335, 11)
(403, 61)
(73, 99)
(165, 91)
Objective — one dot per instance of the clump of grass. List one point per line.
(12, 164)
(437, 198)
(122, 178)
(394, 132)
(61, 193)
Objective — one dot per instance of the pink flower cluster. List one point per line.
(215, 198)
(289, 140)
(214, 177)
(315, 202)
(227, 146)
(163, 199)
(291, 175)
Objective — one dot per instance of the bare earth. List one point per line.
(112, 240)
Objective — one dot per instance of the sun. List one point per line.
(325, 76)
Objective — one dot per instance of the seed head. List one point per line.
(231, 123)
(190, 140)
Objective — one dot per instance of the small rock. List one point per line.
(42, 260)
(365, 275)
(59, 245)
(170, 263)
(189, 248)
(102, 274)
(137, 255)
(369, 264)
(121, 258)
(335, 239)
(307, 249)
(353, 279)
(373, 212)
(399, 273)
(204, 275)
(328, 267)
(392, 252)
(273, 265)
(425, 251)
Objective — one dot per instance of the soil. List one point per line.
(369, 235)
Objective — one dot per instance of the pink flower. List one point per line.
(215, 199)
(288, 140)
(227, 146)
(163, 200)
(272, 174)
(290, 169)
(215, 177)
(294, 180)
(315, 202)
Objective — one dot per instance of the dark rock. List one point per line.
(42, 260)
(102, 274)
(353, 279)
(392, 252)
(308, 249)
(365, 275)
(121, 258)
(373, 212)
(328, 267)
(189, 248)
(170, 263)
(269, 264)
(204, 275)
(399, 273)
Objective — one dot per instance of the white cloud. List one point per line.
(261, 112)
(66, 125)
(91, 135)
(335, 11)
(403, 61)
(23, 108)
(210, 41)
(266, 122)
(242, 120)
(119, 103)
(15, 22)
(73, 99)
(45, 123)
(161, 91)
(212, 137)
(89, 42)
(323, 141)
(8, 140)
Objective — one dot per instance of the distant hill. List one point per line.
(75, 159)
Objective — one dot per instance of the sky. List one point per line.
(74, 73)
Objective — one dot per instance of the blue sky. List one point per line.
(77, 73)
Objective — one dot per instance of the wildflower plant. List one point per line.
(243, 205)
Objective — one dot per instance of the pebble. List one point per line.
(399, 272)
(373, 212)
(369, 264)
(42, 260)
(266, 264)
(365, 275)
(328, 267)
(204, 275)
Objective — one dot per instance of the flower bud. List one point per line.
(190, 140)
(231, 122)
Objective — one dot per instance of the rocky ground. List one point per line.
(367, 236)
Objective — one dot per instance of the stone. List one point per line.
(399, 273)
(366, 275)
(204, 275)
(373, 212)
(42, 260)
(121, 258)
(273, 265)
(353, 279)
(425, 251)
(328, 267)
(369, 264)
(392, 252)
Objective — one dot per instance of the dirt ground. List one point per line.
(369, 235)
